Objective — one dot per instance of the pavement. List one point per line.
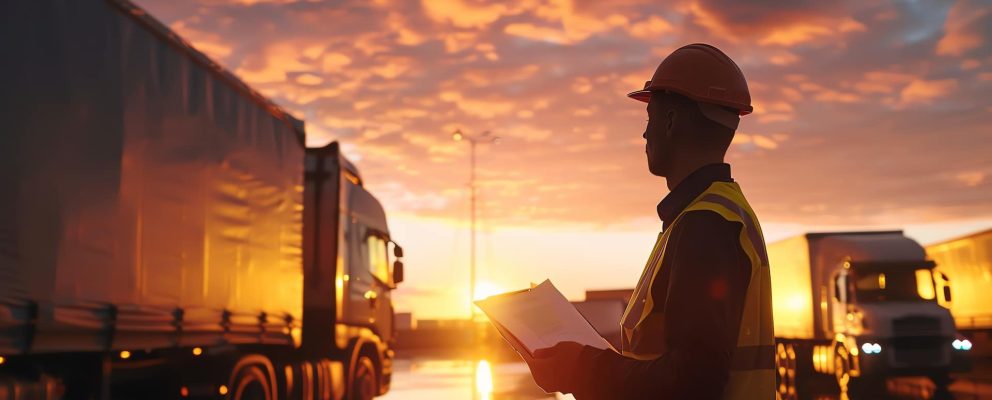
(441, 379)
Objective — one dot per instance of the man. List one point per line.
(699, 323)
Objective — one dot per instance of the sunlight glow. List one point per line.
(484, 380)
(485, 289)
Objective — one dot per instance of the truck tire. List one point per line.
(842, 367)
(251, 383)
(785, 371)
(363, 381)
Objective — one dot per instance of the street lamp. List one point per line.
(484, 138)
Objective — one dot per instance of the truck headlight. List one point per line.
(961, 344)
(871, 348)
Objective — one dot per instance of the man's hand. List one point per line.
(553, 367)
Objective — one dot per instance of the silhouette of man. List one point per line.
(699, 323)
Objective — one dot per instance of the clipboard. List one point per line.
(537, 318)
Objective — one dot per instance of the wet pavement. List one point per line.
(422, 379)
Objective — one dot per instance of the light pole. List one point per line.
(484, 137)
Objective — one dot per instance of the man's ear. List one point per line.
(670, 122)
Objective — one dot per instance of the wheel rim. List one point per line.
(364, 384)
(785, 368)
(251, 385)
(842, 370)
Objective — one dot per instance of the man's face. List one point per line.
(658, 134)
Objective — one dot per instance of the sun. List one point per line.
(485, 289)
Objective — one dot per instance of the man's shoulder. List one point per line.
(706, 223)
(705, 216)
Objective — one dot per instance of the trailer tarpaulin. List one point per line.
(145, 191)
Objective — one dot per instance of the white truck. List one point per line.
(859, 306)
(968, 262)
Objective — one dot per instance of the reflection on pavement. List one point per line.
(423, 379)
(431, 379)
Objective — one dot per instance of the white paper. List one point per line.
(539, 318)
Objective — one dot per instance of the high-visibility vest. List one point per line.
(752, 374)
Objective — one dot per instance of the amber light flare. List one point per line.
(484, 380)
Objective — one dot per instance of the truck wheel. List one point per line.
(785, 368)
(251, 383)
(363, 381)
(842, 367)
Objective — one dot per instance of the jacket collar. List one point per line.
(691, 187)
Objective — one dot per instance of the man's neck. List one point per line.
(683, 169)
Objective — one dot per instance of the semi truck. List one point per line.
(968, 262)
(859, 307)
(164, 231)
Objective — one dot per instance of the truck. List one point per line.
(968, 261)
(859, 307)
(164, 231)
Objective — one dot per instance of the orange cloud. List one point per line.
(924, 91)
(463, 14)
(960, 34)
(773, 24)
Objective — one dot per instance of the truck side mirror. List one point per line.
(946, 283)
(397, 271)
(397, 250)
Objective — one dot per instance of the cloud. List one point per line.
(857, 105)
(924, 91)
(463, 14)
(774, 23)
(962, 31)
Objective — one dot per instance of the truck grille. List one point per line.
(916, 326)
(920, 351)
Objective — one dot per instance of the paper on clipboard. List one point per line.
(539, 318)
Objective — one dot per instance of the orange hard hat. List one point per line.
(702, 73)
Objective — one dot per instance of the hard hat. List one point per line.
(702, 73)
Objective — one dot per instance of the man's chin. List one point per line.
(656, 171)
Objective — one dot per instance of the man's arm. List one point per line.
(709, 277)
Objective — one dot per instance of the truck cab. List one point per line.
(860, 307)
(881, 302)
(351, 267)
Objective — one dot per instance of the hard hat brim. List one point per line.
(640, 95)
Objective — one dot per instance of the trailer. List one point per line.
(165, 233)
(859, 307)
(967, 261)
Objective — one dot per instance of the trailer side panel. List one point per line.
(145, 189)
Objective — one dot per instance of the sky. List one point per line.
(868, 115)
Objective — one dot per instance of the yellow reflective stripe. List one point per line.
(647, 293)
(652, 263)
(730, 215)
(746, 218)
(756, 309)
(756, 331)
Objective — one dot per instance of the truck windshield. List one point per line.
(895, 284)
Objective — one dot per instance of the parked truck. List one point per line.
(859, 306)
(968, 262)
(164, 233)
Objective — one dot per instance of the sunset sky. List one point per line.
(868, 114)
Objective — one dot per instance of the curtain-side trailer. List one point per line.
(967, 261)
(860, 307)
(164, 233)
